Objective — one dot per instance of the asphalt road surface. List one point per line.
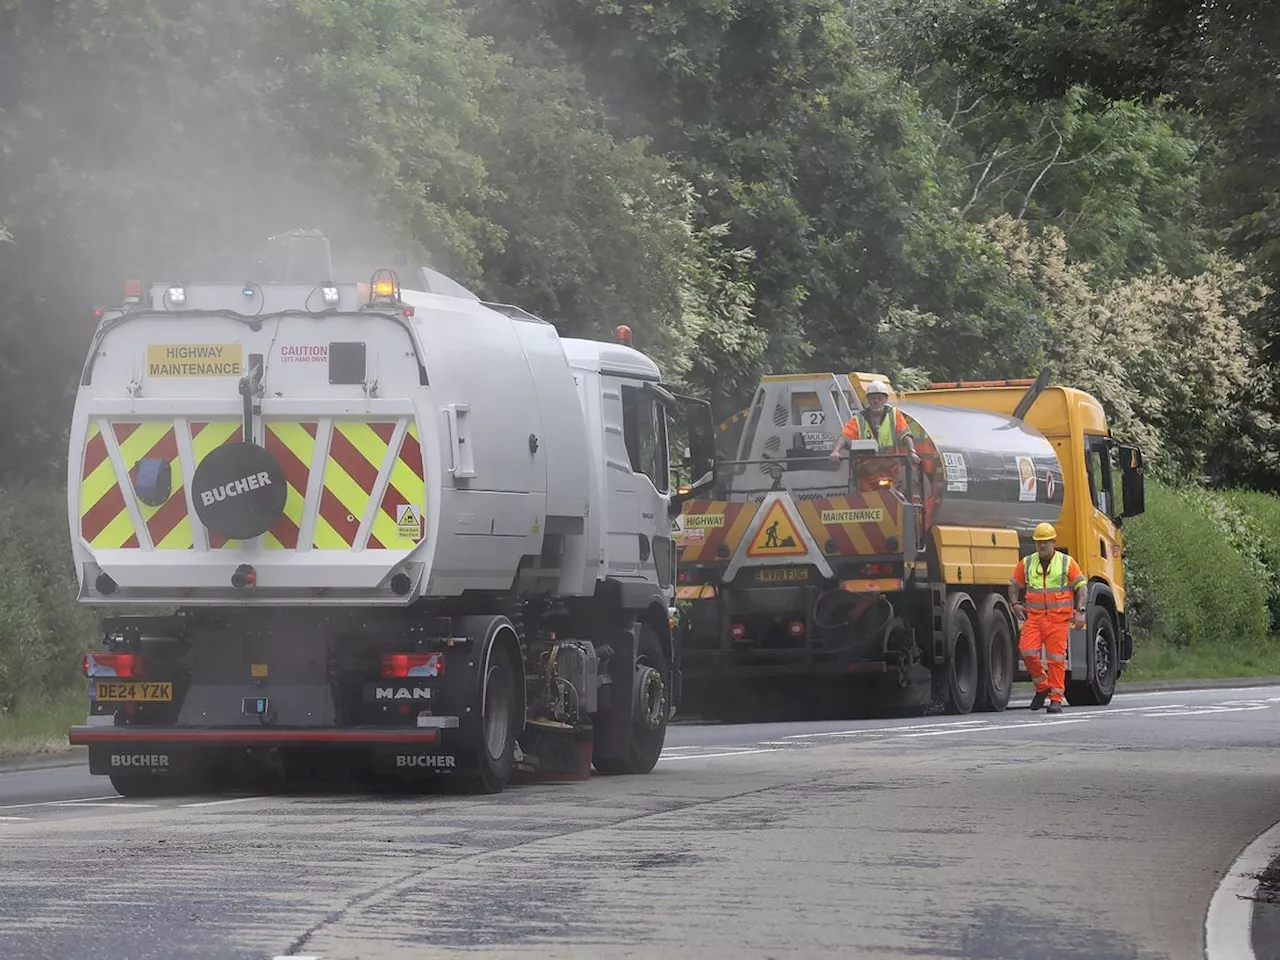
(1101, 834)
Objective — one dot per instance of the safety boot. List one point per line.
(1054, 707)
(1038, 700)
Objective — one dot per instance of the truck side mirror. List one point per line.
(1132, 485)
(702, 448)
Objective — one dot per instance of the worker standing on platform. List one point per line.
(880, 422)
(1055, 601)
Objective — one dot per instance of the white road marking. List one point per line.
(1228, 926)
(1025, 725)
(713, 756)
(866, 730)
(84, 803)
(1203, 711)
(221, 803)
(1117, 711)
(1217, 690)
(44, 803)
(12, 819)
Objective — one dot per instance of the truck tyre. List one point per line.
(649, 709)
(499, 725)
(1099, 686)
(996, 663)
(955, 682)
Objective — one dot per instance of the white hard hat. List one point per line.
(878, 386)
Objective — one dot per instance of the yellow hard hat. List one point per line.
(1045, 531)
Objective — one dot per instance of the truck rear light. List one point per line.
(175, 296)
(402, 665)
(738, 631)
(112, 665)
(133, 291)
(796, 628)
(329, 294)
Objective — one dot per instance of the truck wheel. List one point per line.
(1100, 685)
(649, 709)
(498, 726)
(995, 655)
(955, 682)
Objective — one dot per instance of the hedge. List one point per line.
(43, 630)
(1204, 570)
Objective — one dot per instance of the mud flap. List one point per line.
(613, 730)
(1078, 654)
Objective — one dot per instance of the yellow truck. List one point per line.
(842, 583)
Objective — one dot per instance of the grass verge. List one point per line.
(41, 727)
(1155, 660)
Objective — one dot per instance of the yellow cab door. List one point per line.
(1101, 547)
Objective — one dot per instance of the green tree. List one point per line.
(815, 159)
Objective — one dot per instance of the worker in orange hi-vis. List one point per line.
(1055, 601)
(880, 422)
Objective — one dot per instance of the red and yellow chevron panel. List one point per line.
(293, 445)
(859, 525)
(360, 455)
(357, 452)
(710, 525)
(399, 524)
(168, 525)
(104, 518)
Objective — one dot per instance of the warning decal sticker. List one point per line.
(195, 360)
(409, 522)
(1026, 480)
(778, 536)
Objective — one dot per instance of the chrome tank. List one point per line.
(991, 470)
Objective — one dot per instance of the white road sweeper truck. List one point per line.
(402, 529)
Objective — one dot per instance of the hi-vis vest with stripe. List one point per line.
(886, 436)
(1049, 591)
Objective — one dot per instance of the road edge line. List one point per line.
(1228, 924)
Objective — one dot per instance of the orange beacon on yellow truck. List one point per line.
(883, 576)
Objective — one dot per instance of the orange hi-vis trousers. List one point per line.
(1039, 630)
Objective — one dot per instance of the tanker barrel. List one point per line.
(986, 469)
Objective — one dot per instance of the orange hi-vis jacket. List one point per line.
(893, 428)
(1050, 592)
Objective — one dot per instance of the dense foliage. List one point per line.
(935, 188)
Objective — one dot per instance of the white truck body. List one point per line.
(515, 442)
(389, 521)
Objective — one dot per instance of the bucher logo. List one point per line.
(402, 693)
(139, 760)
(225, 491)
(420, 760)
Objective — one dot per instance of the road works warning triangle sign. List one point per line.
(777, 536)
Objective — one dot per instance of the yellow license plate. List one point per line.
(790, 575)
(134, 692)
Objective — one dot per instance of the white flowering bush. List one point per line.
(1165, 355)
